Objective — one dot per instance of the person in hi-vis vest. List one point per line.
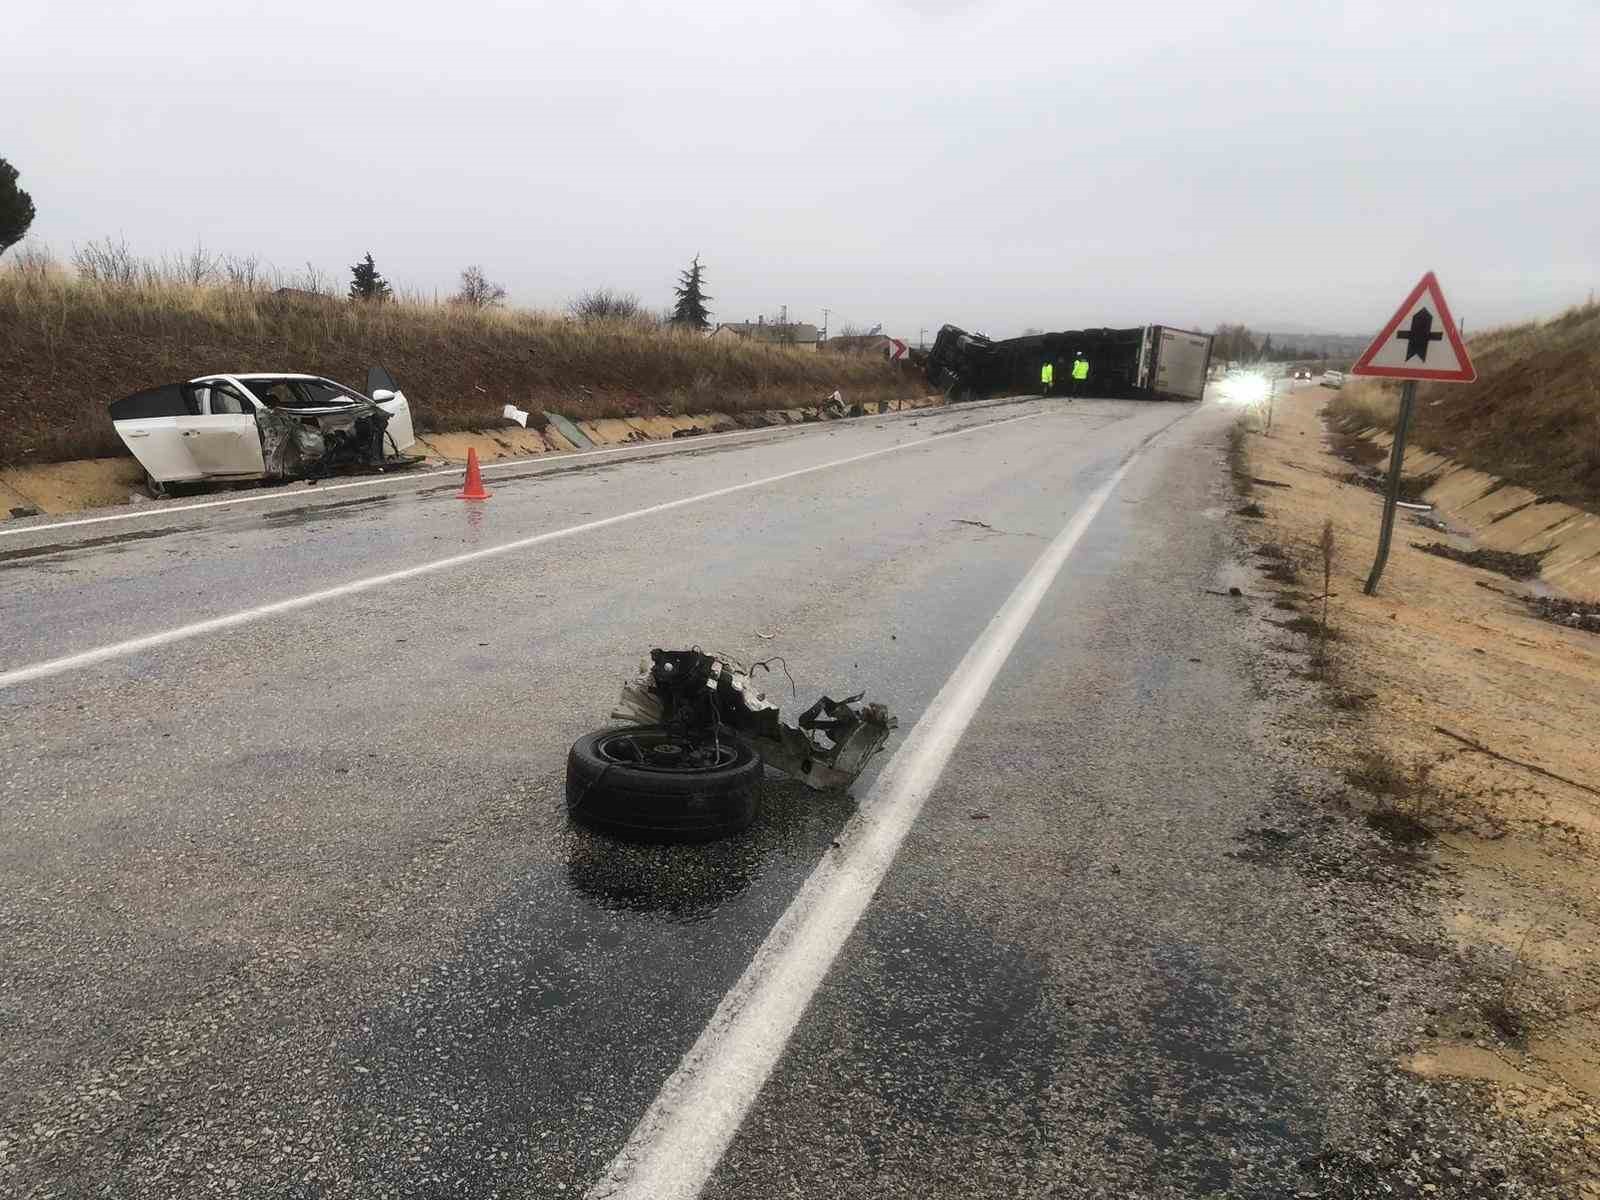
(1047, 377)
(1080, 374)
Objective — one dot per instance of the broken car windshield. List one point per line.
(303, 393)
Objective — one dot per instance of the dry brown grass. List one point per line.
(1532, 417)
(69, 346)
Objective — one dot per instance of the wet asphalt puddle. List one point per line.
(534, 1051)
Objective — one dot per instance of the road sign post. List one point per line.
(1402, 353)
(1391, 493)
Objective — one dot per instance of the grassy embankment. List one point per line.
(69, 346)
(1532, 418)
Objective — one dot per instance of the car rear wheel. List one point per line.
(654, 783)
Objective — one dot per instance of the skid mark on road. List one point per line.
(116, 539)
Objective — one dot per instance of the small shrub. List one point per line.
(1282, 571)
(1345, 700)
(1310, 626)
(1405, 795)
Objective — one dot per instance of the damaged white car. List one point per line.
(264, 426)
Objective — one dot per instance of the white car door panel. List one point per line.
(160, 448)
(399, 431)
(147, 423)
(223, 443)
(222, 437)
(400, 434)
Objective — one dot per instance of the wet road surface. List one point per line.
(292, 908)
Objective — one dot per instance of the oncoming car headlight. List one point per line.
(1244, 389)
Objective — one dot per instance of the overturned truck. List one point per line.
(1150, 362)
(688, 764)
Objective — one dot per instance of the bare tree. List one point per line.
(477, 291)
(197, 267)
(106, 261)
(606, 304)
(313, 279)
(243, 272)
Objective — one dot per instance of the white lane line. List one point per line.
(73, 662)
(167, 510)
(537, 460)
(682, 1136)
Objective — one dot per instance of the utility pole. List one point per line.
(825, 313)
(922, 339)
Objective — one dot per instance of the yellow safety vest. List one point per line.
(1080, 369)
(1047, 373)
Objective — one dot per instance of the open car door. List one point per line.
(147, 423)
(388, 396)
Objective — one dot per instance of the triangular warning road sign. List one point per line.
(1419, 342)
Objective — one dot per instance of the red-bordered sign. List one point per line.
(1419, 342)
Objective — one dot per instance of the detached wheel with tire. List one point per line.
(653, 783)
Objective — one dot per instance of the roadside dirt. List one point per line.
(1463, 722)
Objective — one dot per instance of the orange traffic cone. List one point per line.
(473, 488)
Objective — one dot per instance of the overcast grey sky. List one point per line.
(994, 164)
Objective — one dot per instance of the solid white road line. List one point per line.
(685, 1132)
(537, 460)
(167, 510)
(74, 662)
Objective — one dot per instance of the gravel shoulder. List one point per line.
(1446, 721)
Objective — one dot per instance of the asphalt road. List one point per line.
(291, 907)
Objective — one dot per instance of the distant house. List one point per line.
(799, 335)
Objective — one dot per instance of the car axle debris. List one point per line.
(688, 764)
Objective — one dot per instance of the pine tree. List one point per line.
(16, 208)
(690, 312)
(366, 283)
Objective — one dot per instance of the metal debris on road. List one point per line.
(828, 746)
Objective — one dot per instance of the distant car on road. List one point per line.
(263, 426)
(1333, 379)
(1302, 373)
